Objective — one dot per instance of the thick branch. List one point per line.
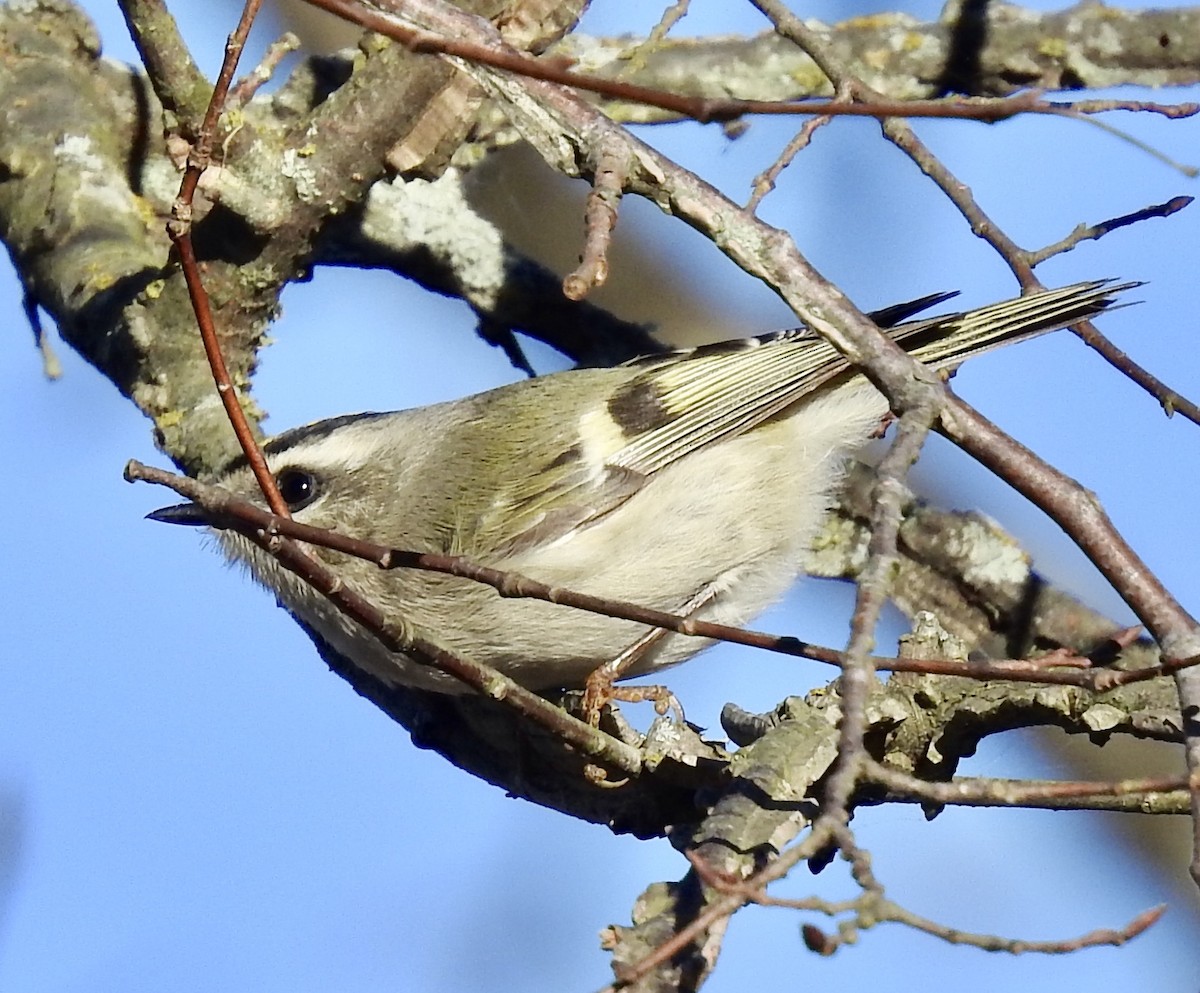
(1089, 46)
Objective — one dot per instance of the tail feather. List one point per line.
(680, 402)
(952, 339)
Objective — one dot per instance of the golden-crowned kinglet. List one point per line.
(690, 478)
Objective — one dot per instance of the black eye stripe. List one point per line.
(298, 487)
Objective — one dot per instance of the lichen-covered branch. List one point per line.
(302, 180)
(1088, 46)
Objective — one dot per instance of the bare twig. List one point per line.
(1148, 795)
(1094, 232)
(702, 109)
(764, 182)
(1173, 111)
(276, 52)
(610, 174)
(227, 510)
(481, 678)
(870, 598)
(180, 231)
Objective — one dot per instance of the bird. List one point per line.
(691, 481)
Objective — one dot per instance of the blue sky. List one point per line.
(190, 801)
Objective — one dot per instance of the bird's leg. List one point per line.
(599, 689)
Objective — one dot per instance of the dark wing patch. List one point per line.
(719, 391)
(637, 407)
(666, 407)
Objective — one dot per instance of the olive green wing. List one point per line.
(618, 427)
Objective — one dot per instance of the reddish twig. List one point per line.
(226, 510)
(702, 109)
(267, 531)
(179, 228)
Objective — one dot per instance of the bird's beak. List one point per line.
(180, 513)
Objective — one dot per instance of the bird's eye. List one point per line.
(298, 487)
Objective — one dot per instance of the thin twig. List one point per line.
(277, 51)
(764, 182)
(180, 230)
(1094, 232)
(223, 509)
(482, 678)
(609, 175)
(871, 595)
(1147, 795)
(702, 109)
